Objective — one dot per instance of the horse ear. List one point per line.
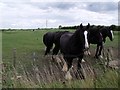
(110, 27)
(88, 25)
(81, 26)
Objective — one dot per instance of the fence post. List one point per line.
(14, 57)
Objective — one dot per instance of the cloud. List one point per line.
(55, 5)
(74, 0)
(26, 14)
(102, 6)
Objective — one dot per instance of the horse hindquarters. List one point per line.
(49, 44)
(48, 41)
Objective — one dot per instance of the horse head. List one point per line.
(109, 33)
(84, 30)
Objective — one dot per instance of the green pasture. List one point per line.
(28, 42)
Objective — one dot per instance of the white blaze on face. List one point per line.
(112, 34)
(86, 39)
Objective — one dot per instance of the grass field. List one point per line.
(28, 43)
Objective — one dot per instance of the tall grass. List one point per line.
(52, 77)
(43, 73)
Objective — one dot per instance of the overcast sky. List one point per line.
(34, 13)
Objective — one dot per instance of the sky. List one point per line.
(35, 13)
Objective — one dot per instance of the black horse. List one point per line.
(72, 46)
(97, 35)
(51, 38)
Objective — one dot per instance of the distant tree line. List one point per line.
(114, 27)
(67, 27)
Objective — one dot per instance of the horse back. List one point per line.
(58, 35)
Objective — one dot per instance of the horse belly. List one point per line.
(94, 40)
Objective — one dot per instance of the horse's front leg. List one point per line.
(87, 52)
(69, 66)
(79, 69)
(55, 52)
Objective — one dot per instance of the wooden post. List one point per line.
(14, 57)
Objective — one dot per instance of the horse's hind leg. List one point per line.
(48, 48)
(99, 54)
(97, 50)
(56, 50)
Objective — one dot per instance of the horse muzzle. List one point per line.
(87, 46)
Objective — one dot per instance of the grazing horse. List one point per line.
(98, 36)
(51, 38)
(72, 46)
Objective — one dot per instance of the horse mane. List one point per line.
(75, 39)
(104, 31)
(78, 30)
